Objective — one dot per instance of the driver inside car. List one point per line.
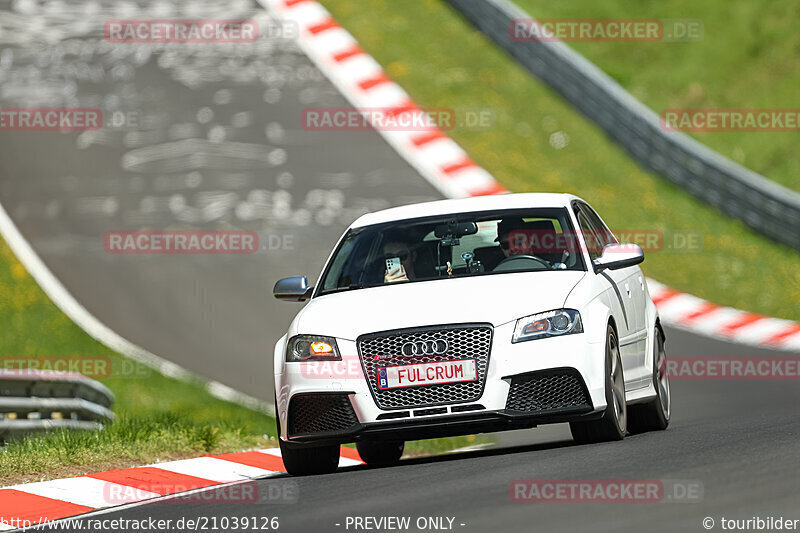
(536, 239)
(504, 229)
(491, 256)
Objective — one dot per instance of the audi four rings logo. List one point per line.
(431, 347)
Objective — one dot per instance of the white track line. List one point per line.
(102, 333)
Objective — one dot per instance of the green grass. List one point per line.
(436, 446)
(748, 58)
(158, 418)
(444, 62)
(131, 440)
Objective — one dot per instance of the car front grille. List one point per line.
(465, 341)
(318, 413)
(547, 390)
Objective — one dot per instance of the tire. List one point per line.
(380, 453)
(655, 414)
(613, 424)
(307, 461)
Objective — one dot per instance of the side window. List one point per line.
(593, 241)
(606, 237)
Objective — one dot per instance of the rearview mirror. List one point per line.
(620, 255)
(455, 229)
(293, 289)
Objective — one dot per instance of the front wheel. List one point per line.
(654, 415)
(307, 460)
(613, 424)
(379, 453)
(310, 460)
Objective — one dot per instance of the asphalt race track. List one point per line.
(210, 138)
(734, 444)
(197, 138)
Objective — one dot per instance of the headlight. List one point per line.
(549, 324)
(312, 348)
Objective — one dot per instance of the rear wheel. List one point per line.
(380, 453)
(613, 424)
(654, 415)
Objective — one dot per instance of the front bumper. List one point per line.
(434, 427)
(490, 413)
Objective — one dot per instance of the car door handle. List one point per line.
(628, 289)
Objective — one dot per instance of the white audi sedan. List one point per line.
(467, 316)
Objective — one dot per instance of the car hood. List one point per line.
(496, 299)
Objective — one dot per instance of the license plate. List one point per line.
(395, 377)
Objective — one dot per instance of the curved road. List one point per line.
(733, 444)
(235, 111)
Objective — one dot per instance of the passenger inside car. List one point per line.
(399, 260)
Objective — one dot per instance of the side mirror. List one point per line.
(616, 256)
(293, 289)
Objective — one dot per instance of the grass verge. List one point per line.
(539, 143)
(747, 58)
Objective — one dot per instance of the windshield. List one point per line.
(453, 246)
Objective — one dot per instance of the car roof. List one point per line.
(466, 205)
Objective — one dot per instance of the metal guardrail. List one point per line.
(765, 206)
(34, 401)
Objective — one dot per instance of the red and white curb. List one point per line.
(684, 311)
(448, 167)
(366, 86)
(34, 503)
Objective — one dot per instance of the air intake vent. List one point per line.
(319, 413)
(547, 390)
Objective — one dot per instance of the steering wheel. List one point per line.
(522, 257)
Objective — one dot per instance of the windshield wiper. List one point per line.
(352, 286)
